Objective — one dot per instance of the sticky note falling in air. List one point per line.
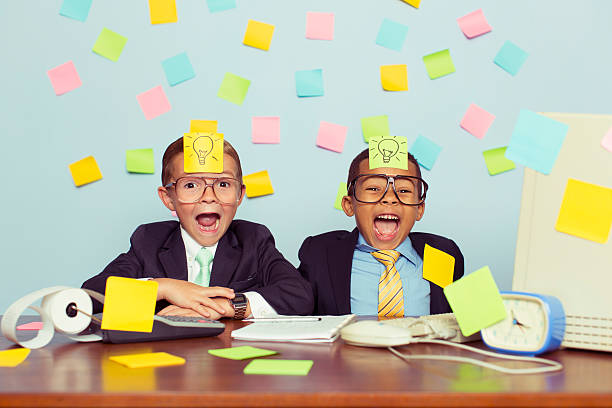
(203, 152)
(258, 184)
(475, 301)
(394, 77)
(496, 161)
(178, 69)
(278, 367)
(265, 129)
(64, 78)
(331, 136)
(474, 24)
(153, 102)
(233, 88)
(162, 11)
(129, 304)
(309, 82)
(374, 126)
(425, 151)
(76, 9)
(606, 142)
(510, 58)
(438, 266)
(388, 151)
(205, 126)
(439, 64)
(536, 141)
(85, 171)
(143, 360)
(215, 6)
(140, 161)
(241, 352)
(258, 35)
(586, 211)
(342, 191)
(109, 44)
(477, 121)
(391, 34)
(319, 26)
(13, 357)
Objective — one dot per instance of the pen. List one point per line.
(284, 319)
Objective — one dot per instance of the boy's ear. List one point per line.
(242, 194)
(347, 206)
(165, 197)
(420, 211)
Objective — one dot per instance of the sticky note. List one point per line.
(319, 26)
(85, 171)
(203, 152)
(475, 301)
(162, 11)
(13, 357)
(413, 3)
(439, 64)
(142, 360)
(474, 24)
(496, 161)
(394, 77)
(477, 121)
(586, 211)
(30, 326)
(258, 35)
(265, 129)
(140, 161)
(205, 126)
(342, 191)
(331, 136)
(129, 304)
(606, 142)
(374, 126)
(278, 367)
(64, 78)
(438, 266)
(536, 141)
(178, 69)
(425, 151)
(309, 82)
(233, 88)
(258, 184)
(76, 9)
(391, 34)
(153, 102)
(241, 352)
(388, 151)
(510, 58)
(215, 6)
(116, 378)
(109, 44)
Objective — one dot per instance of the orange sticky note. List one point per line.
(162, 11)
(85, 171)
(13, 357)
(258, 184)
(203, 152)
(129, 304)
(394, 77)
(206, 126)
(438, 266)
(258, 35)
(148, 360)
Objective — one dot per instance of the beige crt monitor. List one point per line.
(576, 270)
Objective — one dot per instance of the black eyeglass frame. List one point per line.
(206, 185)
(390, 180)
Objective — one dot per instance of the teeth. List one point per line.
(388, 217)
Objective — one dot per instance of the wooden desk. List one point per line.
(69, 374)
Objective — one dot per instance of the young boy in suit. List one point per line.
(377, 269)
(209, 264)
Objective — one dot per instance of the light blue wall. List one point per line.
(54, 233)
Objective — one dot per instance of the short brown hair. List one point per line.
(176, 147)
(365, 155)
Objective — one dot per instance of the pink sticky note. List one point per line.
(30, 326)
(319, 26)
(474, 24)
(64, 78)
(265, 129)
(606, 142)
(153, 102)
(331, 136)
(477, 121)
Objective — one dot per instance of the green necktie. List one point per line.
(204, 258)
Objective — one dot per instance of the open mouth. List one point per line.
(386, 226)
(208, 222)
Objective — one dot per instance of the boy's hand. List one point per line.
(174, 310)
(195, 297)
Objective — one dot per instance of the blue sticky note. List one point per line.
(76, 9)
(425, 151)
(510, 58)
(536, 141)
(220, 5)
(178, 69)
(391, 35)
(309, 83)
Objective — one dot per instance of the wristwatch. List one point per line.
(239, 303)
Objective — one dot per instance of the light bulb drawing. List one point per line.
(388, 148)
(388, 151)
(202, 146)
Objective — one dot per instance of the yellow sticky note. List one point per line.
(258, 184)
(413, 3)
(85, 171)
(258, 35)
(342, 191)
(162, 11)
(586, 211)
(438, 266)
(148, 360)
(129, 304)
(205, 126)
(394, 77)
(13, 357)
(118, 378)
(203, 152)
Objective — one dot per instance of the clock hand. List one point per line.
(516, 322)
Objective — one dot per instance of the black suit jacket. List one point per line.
(246, 259)
(326, 261)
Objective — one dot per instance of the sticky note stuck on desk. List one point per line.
(109, 44)
(162, 11)
(241, 352)
(203, 152)
(85, 171)
(342, 191)
(64, 78)
(388, 151)
(439, 64)
(394, 77)
(13, 357)
(278, 367)
(143, 360)
(153, 102)
(265, 129)
(30, 326)
(375, 126)
(258, 35)
(438, 266)
(140, 161)
(319, 26)
(474, 24)
(331, 136)
(233, 88)
(496, 161)
(129, 304)
(258, 184)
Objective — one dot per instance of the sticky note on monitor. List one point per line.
(342, 191)
(391, 34)
(178, 69)
(233, 88)
(109, 44)
(143, 360)
(439, 64)
(586, 211)
(425, 151)
(278, 367)
(475, 301)
(258, 184)
(203, 152)
(129, 304)
(153, 102)
(241, 352)
(162, 11)
(85, 171)
(394, 77)
(388, 151)
(265, 129)
(140, 161)
(13, 357)
(64, 78)
(319, 26)
(510, 58)
(331, 136)
(201, 125)
(214, 6)
(309, 83)
(474, 24)
(374, 126)
(258, 35)
(477, 121)
(496, 161)
(76, 9)
(438, 266)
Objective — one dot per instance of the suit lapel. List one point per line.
(172, 256)
(340, 262)
(226, 260)
(436, 295)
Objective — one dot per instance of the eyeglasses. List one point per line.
(371, 188)
(191, 189)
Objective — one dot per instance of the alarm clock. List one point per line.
(534, 324)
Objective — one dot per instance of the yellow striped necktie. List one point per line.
(390, 292)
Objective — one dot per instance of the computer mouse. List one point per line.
(372, 333)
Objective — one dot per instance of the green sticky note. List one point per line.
(140, 161)
(389, 151)
(342, 191)
(241, 353)
(233, 88)
(109, 44)
(439, 64)
(374, 126)
(496, 161)
(475, 301)
(278, 367)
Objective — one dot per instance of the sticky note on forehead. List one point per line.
(129, 304)
(203, 152)
(389, 151)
